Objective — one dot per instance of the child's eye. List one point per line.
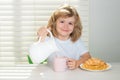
(61, 21)
(71, 23)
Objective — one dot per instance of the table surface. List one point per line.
(43, 72)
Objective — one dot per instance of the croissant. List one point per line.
(95, 64)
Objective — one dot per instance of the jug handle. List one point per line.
(49, 33)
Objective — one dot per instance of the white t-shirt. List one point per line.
(68, 49)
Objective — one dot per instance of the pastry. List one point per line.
(95, 64)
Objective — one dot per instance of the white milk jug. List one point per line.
(39, 51)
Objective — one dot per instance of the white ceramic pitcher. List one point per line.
(39, 51)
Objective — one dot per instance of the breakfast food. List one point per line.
(95, 64)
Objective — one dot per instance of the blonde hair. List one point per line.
(66, 11)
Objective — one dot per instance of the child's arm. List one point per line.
(73, 64)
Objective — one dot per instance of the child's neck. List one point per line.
(63, 38)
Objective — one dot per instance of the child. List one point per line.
(66, 28)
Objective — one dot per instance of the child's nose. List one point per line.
(66, 25)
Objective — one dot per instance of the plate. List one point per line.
(109, 67)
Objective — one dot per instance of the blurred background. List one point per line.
(104, 26)
(20, 20)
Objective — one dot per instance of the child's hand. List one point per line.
(42, 32)
(72, 63)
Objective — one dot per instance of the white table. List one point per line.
(43, 72)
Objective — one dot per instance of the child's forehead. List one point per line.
(67, 18)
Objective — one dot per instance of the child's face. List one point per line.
(65, 26)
